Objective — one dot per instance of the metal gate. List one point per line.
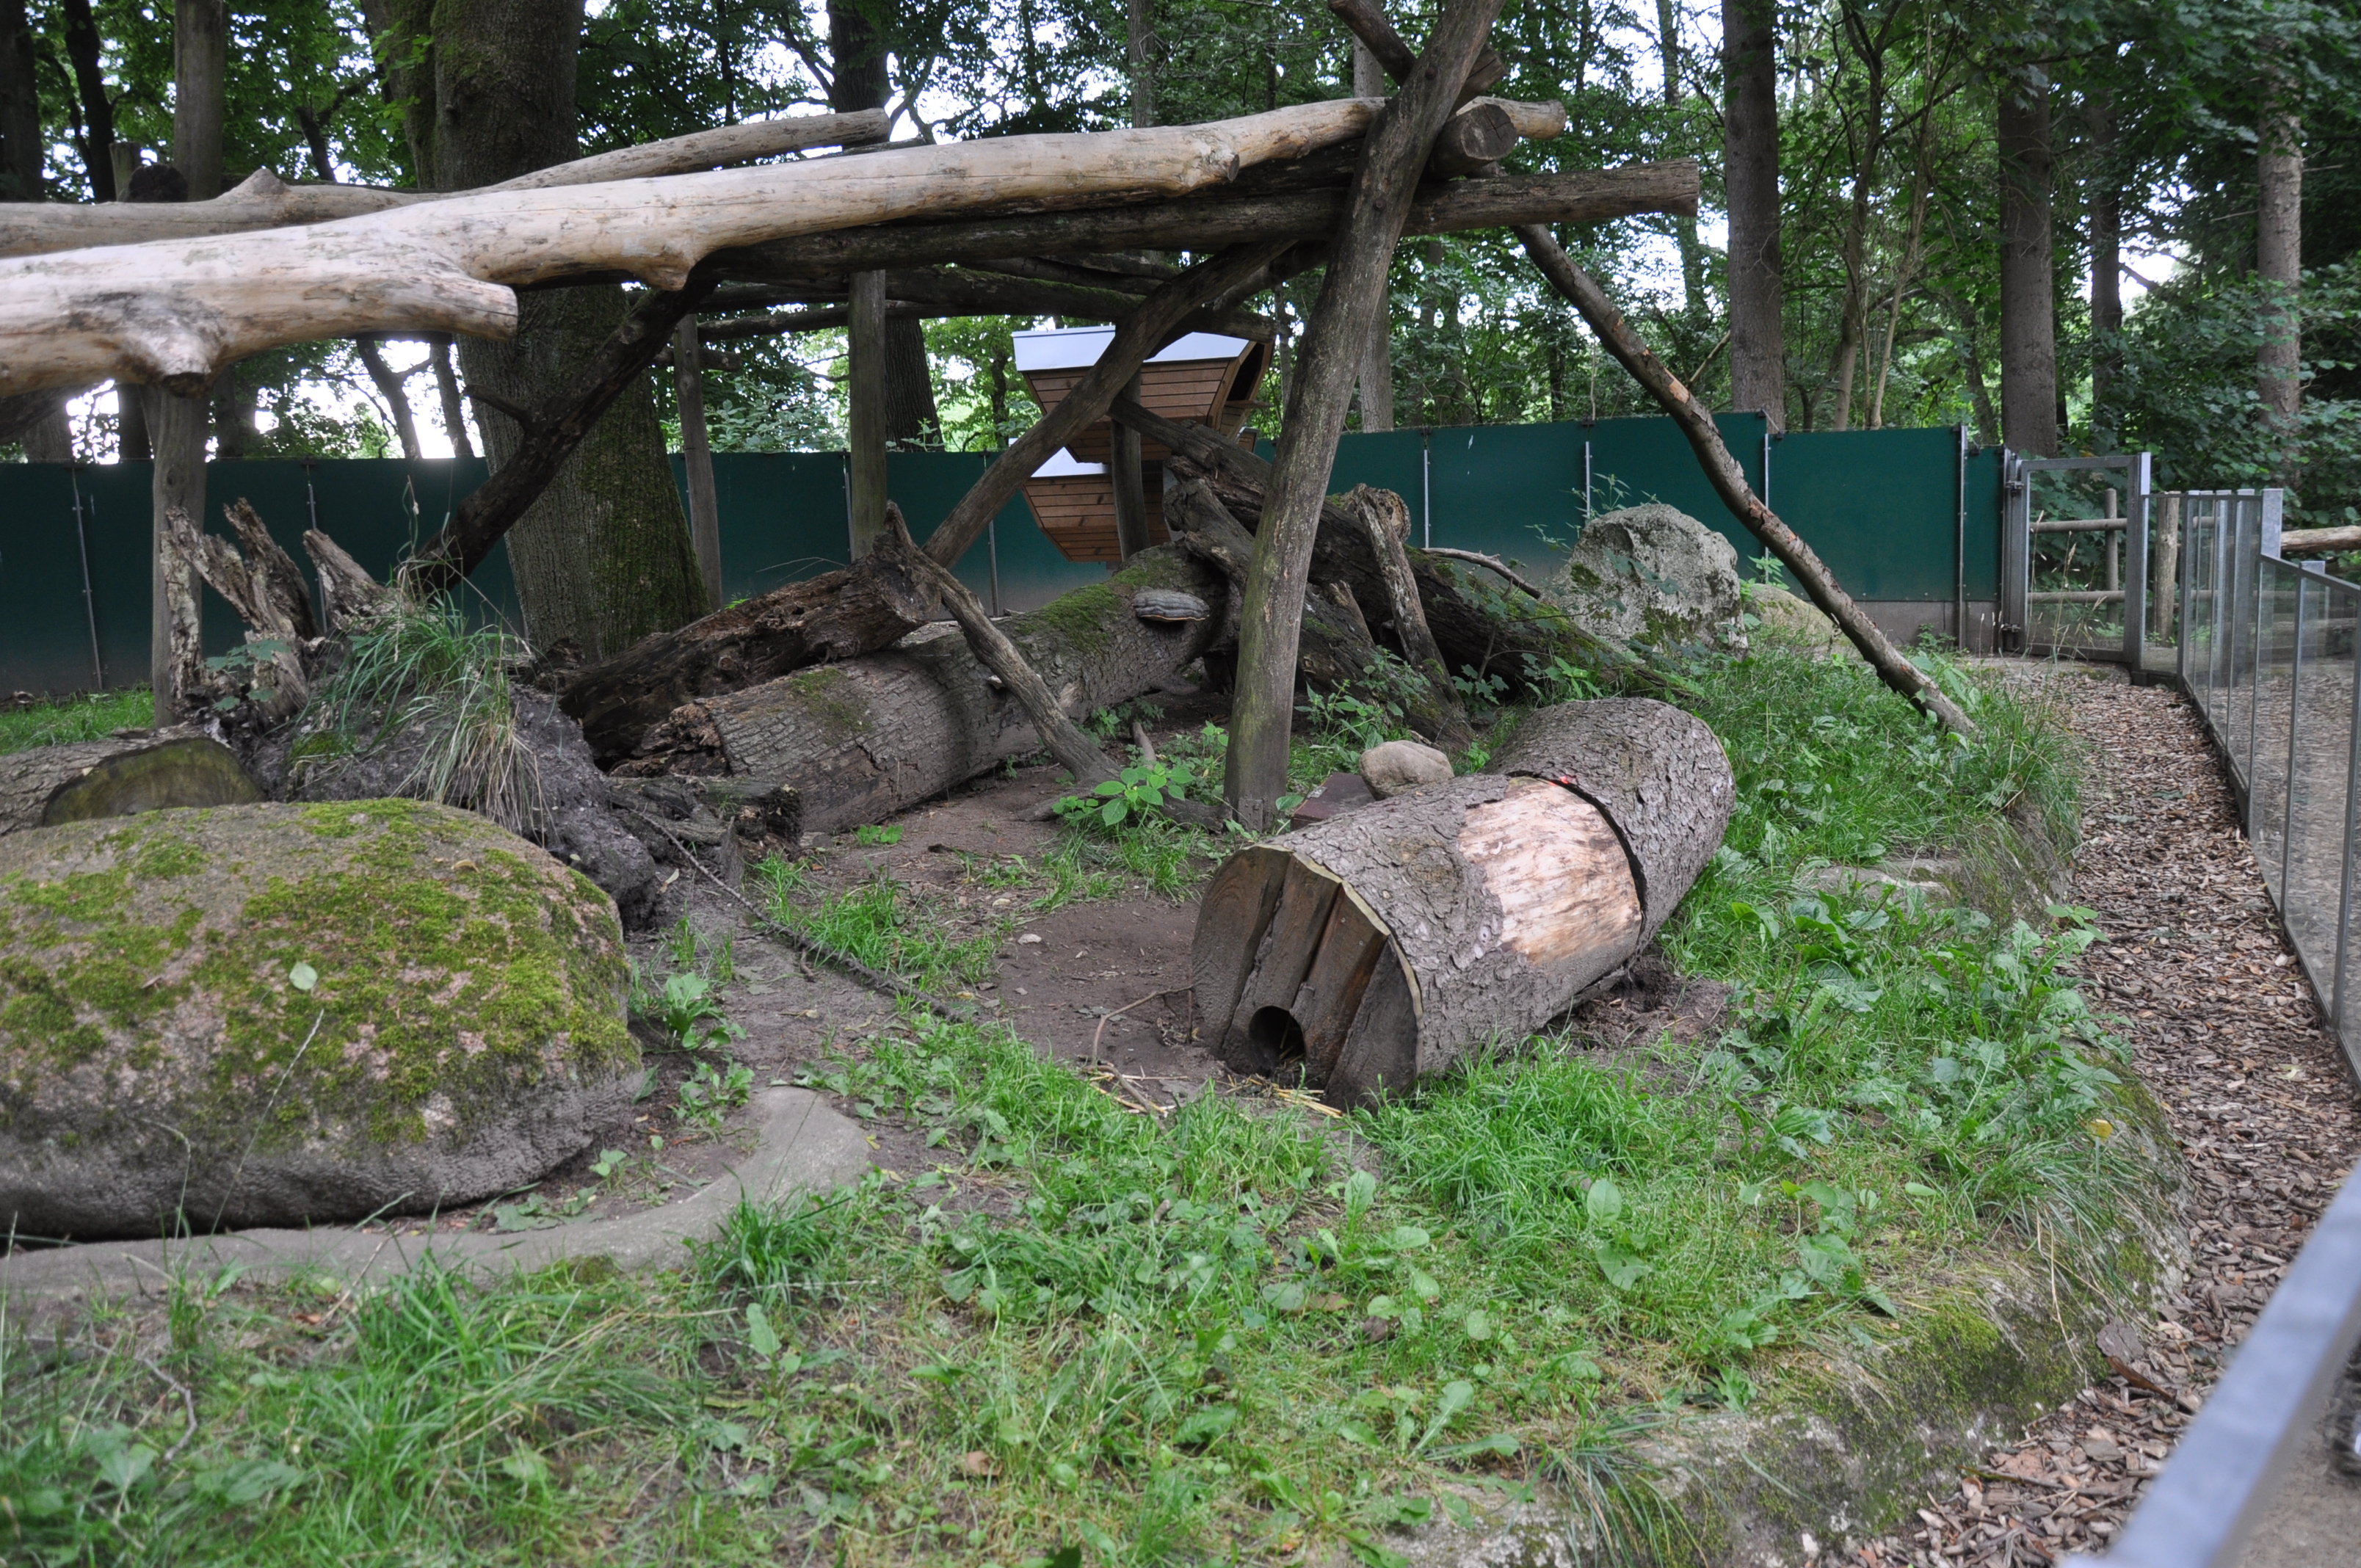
(2074, 556)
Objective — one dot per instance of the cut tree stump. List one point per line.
(48, 786)
(1375, 949)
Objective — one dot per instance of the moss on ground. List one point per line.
(447, 962)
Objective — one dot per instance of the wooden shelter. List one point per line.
(1203, 379)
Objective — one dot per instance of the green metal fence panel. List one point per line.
(1882, 507)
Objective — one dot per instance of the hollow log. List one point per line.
(864, 738)
(180, 311)
(263, 200)
(50, 786)
(1375, 948)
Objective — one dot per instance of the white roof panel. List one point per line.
(1062, 462)
(1077, 348)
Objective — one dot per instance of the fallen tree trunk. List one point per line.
(263, 200)
(860, 739)
(179, 312)
(1375, 949)
(1211, 220)
(48, 785)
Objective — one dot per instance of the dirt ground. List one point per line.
(2226, 1034)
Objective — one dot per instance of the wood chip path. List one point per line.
(2228, 1037)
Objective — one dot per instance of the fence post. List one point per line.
(2254, 669)
(2140, 514)
(2344, 885)
(2295, 712)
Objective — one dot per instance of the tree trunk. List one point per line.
(2279, 263)
(864, 738)
(395, 391)
(20, 107)
(603, 558)
(175, 652)
(200, 88)
(697, 457)
(1685, 229)
(82, 47)
(1852, 316)
(1139, 37)
(2028, 323)
(446, 387)
(1335, 345)
(2106, 203)
(1377, 368)
(1758, 351)
(47, 786)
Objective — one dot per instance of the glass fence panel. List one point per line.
(2311, 874)
(2238, 642)
(2278, 591)
(2205, 605)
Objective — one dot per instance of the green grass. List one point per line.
(1211, 1335)
(91, 717)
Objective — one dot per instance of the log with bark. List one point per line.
(267, 589)
(864, 738)
(263, 200)
(47, 785)
(1373, 950)
(180, 311)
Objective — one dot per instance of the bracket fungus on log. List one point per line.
(1376, 946)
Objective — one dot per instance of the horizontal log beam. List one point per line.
(263, 200)
(1200, 223)
(179, 312)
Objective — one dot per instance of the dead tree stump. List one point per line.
(50, 786)
(1376, 946)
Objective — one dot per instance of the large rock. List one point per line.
(462, 1032)
(1652, 574)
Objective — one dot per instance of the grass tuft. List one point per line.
(92, 716)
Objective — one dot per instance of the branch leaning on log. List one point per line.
(1215, 219)
(1376, 948)
(864, 738)
(263, 200)
(620, 700)
(179, 312)
(1729, 481)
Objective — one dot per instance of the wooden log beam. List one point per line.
(1209, 222)
(47, 786)
(1473, 139)
(263, 200)
(1729, 480)
(179, 312)
(2319, 541)
(1351, 293)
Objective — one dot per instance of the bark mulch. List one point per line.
(2228, 1037)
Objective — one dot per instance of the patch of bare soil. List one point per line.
(2257, 1091)
(1647, 1000)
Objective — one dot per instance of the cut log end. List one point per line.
(48, 786)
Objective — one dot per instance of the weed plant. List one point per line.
(92, 716)
(1071, 1333)
(420, 669)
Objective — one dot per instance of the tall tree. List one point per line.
(2278, 264)
(604, 557)
(96, 109)
(1750, 117)
(20, 107)
(2028, 309)
(2104, 200)
(858, 48)
(1684, 227)
(1377, 386)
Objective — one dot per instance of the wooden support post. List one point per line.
(1129, 484)
(175, 652)
(1335, 348)
(1729, 480)
(864, 425)
(697, 457)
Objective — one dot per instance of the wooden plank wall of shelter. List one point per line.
(1203, 379)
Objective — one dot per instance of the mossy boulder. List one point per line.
(290, 1015)
(1655, 576)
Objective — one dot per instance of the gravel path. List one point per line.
(2229, 1038)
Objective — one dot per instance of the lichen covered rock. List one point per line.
(288, 1015)
(1653, 574)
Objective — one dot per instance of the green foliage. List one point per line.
(883, 923)
(1129, 796)
(91, 715)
